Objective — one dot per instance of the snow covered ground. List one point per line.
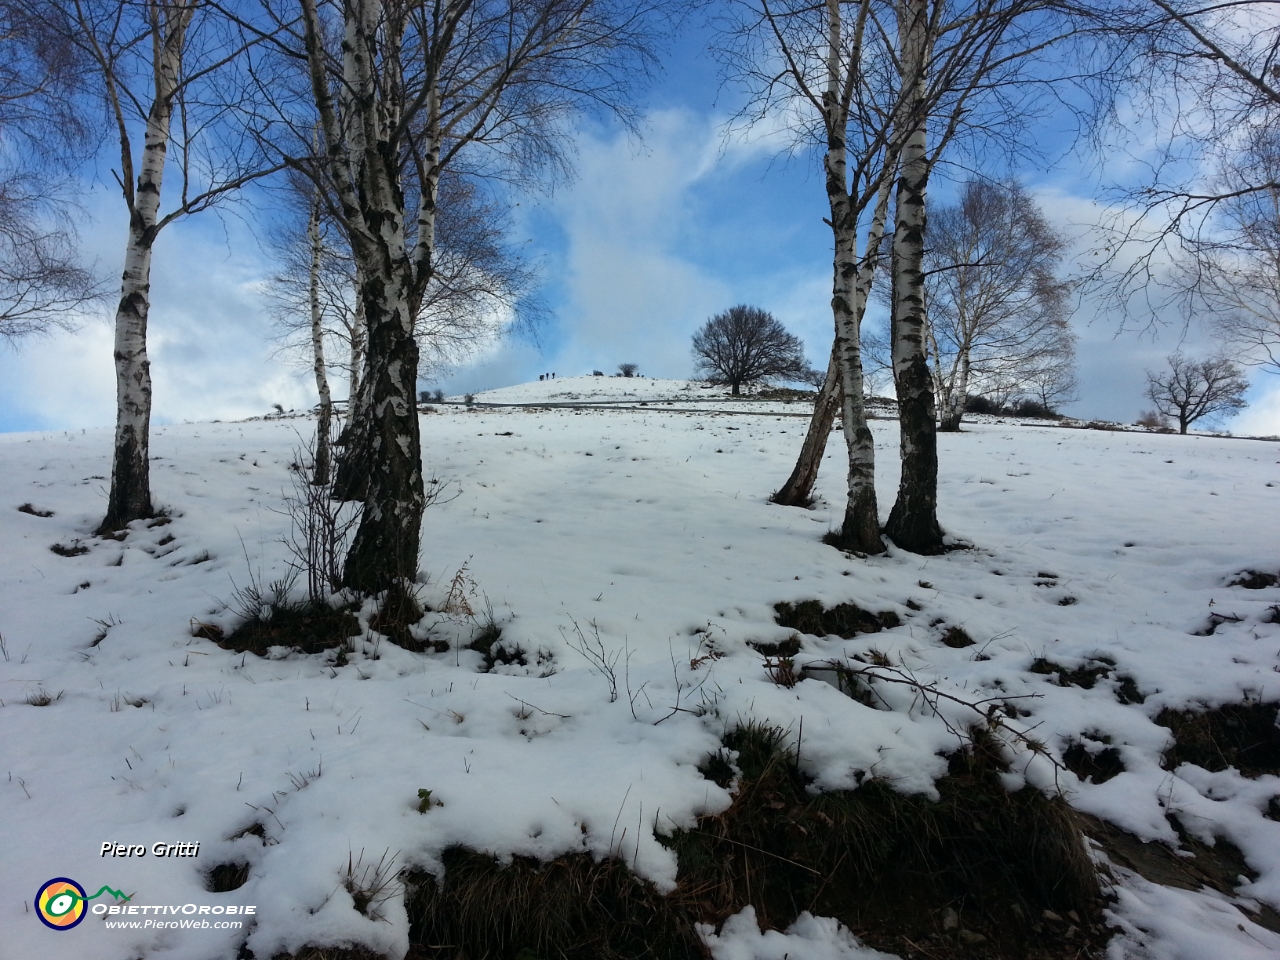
(651, 530)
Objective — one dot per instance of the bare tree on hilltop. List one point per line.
(746, 345)
(1190, 390)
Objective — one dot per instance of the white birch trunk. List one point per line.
(861, 527)
(130, 497)
(324, 422)
(383, 461)
(913, 522)
(356, 363)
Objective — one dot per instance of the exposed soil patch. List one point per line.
(970, 876)
(1240, 735)
(957, 637)
(306, 627)
(1255, 580)
(843, 620)
(75, 549)
(1097, 766)
(34, 511)
(1219, 867)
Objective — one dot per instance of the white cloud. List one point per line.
(207, 337)
(1262, 417)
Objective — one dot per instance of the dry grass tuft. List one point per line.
(1241, 735)
(889, 866)
(843, 620)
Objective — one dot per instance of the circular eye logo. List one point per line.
(60, 903)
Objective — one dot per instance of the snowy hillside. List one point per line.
(596, 389)
(631, 560)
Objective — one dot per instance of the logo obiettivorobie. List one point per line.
(60, 902)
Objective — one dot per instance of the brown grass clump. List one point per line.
(1241, 735)
(957, 637)
(398, 611)
(967, 876)
(573, 907)
(304, 626)
(333, 953)
(890, 866)
(226, 877)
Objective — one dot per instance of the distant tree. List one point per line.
(1194, 389)
(628, 369)
(1051, 381)
(747, 345)
(997, 313)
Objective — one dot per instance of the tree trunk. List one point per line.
(324, 422)
(356, 363)
(385, 548)
(913, 522)
(798, 490)
(953, 406)
(850, 289)
(130, 497)
(734, 389)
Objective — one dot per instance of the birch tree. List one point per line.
(404, 90)
(993, 299)
(156, 64)
(830, 61)
(480, 288)
(883, 89)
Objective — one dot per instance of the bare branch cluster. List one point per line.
(44, 129)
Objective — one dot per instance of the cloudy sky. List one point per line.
(652, 237)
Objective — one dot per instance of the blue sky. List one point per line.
(651, 238)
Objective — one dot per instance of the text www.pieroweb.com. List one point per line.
(188, 916)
